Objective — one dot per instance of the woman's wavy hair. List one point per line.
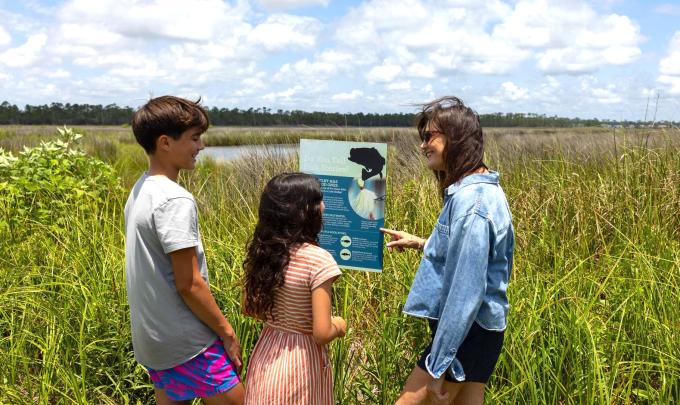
(464, 150)
(289, 215)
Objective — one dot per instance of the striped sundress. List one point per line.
(287, 366)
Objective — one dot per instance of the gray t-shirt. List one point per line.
(160, 218)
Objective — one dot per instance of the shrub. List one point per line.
(43, 183)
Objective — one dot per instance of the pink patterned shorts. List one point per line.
(206, 375)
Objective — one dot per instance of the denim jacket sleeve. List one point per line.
(463, 288)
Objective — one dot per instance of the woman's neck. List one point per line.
(480, 170)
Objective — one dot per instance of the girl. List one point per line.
(461, 283)
(288, 286)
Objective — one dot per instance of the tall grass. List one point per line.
(594, 292)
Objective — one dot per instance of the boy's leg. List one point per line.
(163, 399)
(235, 396)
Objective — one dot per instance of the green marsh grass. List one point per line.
(594, 292)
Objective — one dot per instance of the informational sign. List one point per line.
(353, 178)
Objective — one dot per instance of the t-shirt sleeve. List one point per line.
(176, 224)
(324, 270)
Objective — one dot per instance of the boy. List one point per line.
(178, 332)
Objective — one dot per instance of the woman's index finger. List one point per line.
(389, 231)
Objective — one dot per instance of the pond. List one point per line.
(225, 154)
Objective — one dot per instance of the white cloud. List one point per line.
(282, 95)
(568, 60)
(26, 54)
(58, 74)
(338, 58)
(570, 37)
(508, 93)
(5, 38)
(429, 39)
(380, 26)
(607, 94)
(74, 51)
(549, 92)
(673, 83)
(281, 4)
(148, 70)
(36, 89)
(283, 31)
(315, 74)
(307, 69)
(379, 56)
(87, 34)
(19, 24)
(418, 69)
(383, 73)
(125, 58)
(189, 57)
(353, 95)
(251, 85)
(399, 86)
(175, 19)
(514, 92)
(669, 67)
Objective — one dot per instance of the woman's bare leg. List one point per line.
(471, 393)
(415, 391)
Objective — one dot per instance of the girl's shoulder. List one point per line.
(310, 253)
(319, 262)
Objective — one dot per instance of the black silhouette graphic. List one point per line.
(370, 158)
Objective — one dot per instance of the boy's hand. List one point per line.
(401, 240)
(340, 325)
(233, 348)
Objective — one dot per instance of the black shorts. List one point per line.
(478, 353)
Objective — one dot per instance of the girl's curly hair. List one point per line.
(289, 215)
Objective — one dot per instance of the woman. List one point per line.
(461, 283)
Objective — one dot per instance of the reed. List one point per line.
(594, 290)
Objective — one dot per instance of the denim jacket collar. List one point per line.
(490, 177)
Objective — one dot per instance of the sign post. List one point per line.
(353, 178)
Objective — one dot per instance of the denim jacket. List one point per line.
(463, 276)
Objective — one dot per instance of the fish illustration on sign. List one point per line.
(372, 161)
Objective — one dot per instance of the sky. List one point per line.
(608, 59)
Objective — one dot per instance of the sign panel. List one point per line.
(353, 178)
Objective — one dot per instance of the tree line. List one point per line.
(112, 114)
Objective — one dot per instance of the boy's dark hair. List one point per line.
(289, 215)
(167, 115)
(464, 150)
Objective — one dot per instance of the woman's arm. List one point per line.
(325, 327)
(463, 288)
(401, 240)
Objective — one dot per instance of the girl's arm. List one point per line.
(325, 327)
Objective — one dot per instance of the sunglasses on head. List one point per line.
(426, 136)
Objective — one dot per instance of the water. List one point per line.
(225, 154)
